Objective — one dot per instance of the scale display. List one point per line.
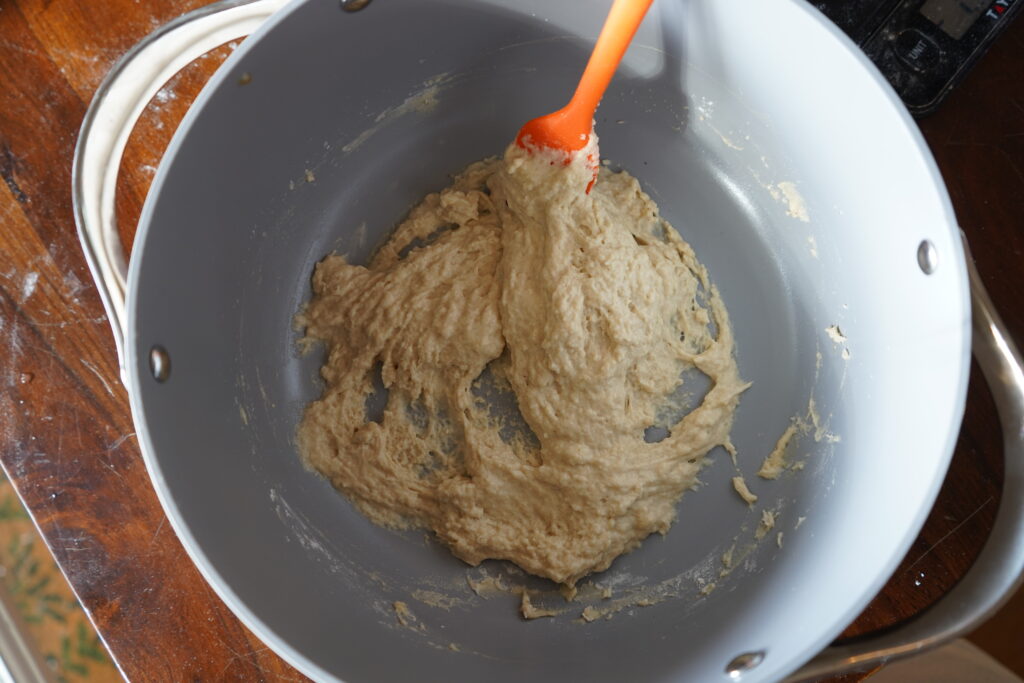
(923, 47)
(954, 17)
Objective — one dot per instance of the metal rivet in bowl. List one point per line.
(353, 5)
(927, 257)
(743, 663)
(159, 363)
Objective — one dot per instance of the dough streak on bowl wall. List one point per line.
(588, 308)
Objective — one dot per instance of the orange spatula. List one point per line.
(568, 129)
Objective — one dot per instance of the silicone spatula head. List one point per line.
(568, 129)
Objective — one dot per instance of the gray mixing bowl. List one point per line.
(765, 137)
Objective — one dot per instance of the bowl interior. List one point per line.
(761, 136)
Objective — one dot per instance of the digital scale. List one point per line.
(923, 47)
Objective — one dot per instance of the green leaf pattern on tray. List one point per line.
(52, 621)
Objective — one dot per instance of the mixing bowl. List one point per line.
(767, 140)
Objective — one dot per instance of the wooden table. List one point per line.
(66, 435)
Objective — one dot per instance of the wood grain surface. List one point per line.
(66, 435)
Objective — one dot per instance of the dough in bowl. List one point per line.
(587, 308)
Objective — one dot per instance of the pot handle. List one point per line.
(116, 106)
(999, 569)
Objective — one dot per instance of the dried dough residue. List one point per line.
(821, 428)
(422, 101)
(487, 586)
(405, 616)
(775, 463)
(527, 609)
(795, 205)
(811, 422)
(727, 556)
(835, 334)
(436, 599)
(740, 485)
(767, 524)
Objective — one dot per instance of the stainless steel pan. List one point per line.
(765, 137)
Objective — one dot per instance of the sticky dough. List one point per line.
(590, 307)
